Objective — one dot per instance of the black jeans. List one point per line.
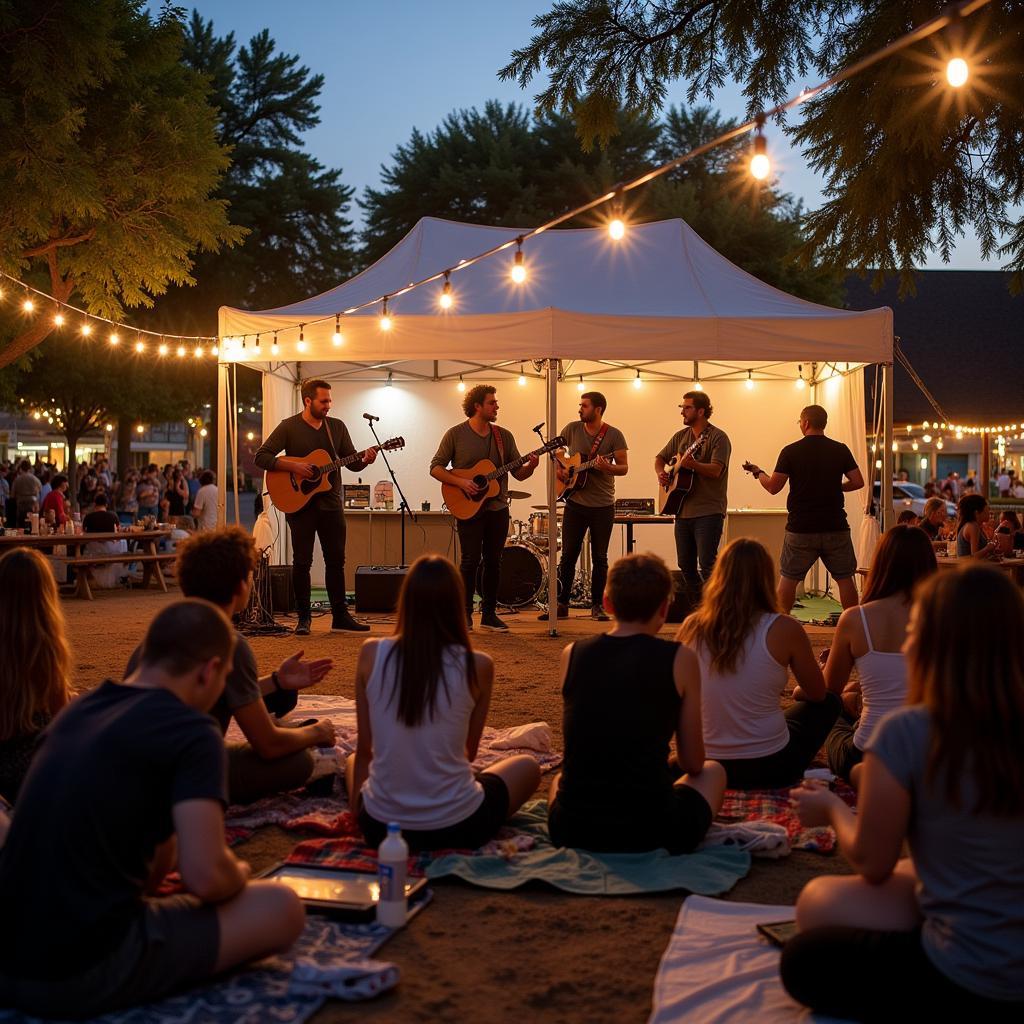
(859, 974)
(697, 541)
(575, 523)
(329, 525)
(484, 537)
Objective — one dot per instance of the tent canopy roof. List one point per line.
(660, 293)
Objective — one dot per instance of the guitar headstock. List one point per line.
(393, 444)
(556, 442)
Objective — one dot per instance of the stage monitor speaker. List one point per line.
(377, 587)
(680, 606)
(282, 593)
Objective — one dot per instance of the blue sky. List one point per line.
(394, 65)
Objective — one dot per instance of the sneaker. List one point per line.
(344, 623)
(598, 614)
(561, 613)
(305, 625)
(490, 620)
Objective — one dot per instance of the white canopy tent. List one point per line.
(660, 304)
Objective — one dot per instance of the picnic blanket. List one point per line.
(330, 960)
(717, 969)
(773, 805)
(318, 813)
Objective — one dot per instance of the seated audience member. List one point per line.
(421, 704)
(1009, 527)
(35, 669)
(971, 541)
(870, 638)
(100, 519)
(626, 694)
(128, 783)
(217, 566)
(56, 501)
(746, 649)
(934, 517)
(938, 935)
(908, 517)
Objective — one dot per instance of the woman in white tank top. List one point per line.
(746, 650)
(870, 638)
(421, 703)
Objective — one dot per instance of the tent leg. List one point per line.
(222, 440)
(551, 413)
(885, 490)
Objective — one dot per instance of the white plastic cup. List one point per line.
(392, 861)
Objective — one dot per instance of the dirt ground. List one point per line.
(476, 954)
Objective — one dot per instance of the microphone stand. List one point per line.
(403, 505)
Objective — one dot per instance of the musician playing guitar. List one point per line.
(590, 505)
(324, 517)
(701, 517)
(483, 535)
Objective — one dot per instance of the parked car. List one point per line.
(907, 495)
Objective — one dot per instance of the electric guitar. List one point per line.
(290, 493)
(575, 473)
(486, 476)
(680, 481)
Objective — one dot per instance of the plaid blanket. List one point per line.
(773, 805)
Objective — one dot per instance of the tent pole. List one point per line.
(885, 490)
(234, 438)
(222, 440)
(550, 414)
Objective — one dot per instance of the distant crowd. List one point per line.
(1004, 482)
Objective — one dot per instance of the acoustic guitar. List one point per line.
(290, 493)
(575, 473)
(680, 481)
(486, 476)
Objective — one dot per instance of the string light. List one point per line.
(387, 383)
(86, 330)
(446, 299)
(461, 386)
(256, 349)
(800, 382)
(140, 429)
(58, 319)
(27, 306)
(336, 338)
(250, 436)
(927, 438)
(760, 165)
(617, 226)
(895, 446)
(518, 268)
(579, 384)
(110, 427)
(197, 352)
(214, 349)
(637, 382)
(914, 446)
(203, 432)
(140, 346)
(162, 348)
(697, 386)
(385, 316)
(301, 344)
(114, 339)
(274, 348)
(522, 376)
(750, 380)
(957, 71)
(180, 352)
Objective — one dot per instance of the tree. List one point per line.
(299, 238)
(908, 165)
(108, 156)
(499, 166)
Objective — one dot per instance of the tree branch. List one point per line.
(59, 243)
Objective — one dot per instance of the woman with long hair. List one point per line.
(940, 934)
(421, 704)
(746, 648)
(35, 670)
(870, 638)
(971, 542)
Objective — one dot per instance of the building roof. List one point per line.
(963, 333)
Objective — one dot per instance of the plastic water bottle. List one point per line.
(392, 860)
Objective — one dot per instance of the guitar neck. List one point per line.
(347, 460)
(510, 467)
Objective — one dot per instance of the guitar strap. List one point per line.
(496, 434)
(597, 441)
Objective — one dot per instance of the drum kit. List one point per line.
(523, 579)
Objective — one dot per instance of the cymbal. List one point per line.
(544, 508)
(519, 494)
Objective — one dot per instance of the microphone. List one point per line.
(367, 416)
(536, 429)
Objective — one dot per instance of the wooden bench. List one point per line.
(150, 568)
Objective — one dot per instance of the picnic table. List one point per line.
(146, 553)
(1014, 566)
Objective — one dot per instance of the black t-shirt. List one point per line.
(930, 528)
(100, 521)
(815, 466)
(297, 439)
(241, 688)
(97, 802)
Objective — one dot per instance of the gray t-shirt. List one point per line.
(708, 497)
(599, 490)
(970, 867)
(462, 447)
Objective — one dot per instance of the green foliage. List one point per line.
(499, 166)
(108, 156)
(908, 166)
(299, 239)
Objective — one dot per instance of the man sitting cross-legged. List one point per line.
(217, 565)
(129, 781)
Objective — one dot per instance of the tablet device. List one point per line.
(778, 933)
(351, 894)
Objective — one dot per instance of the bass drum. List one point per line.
(522, 577)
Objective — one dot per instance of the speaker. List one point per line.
(377, 587)
(680, 606)
(282, 593)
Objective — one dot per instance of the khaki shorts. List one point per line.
(171, 944)
(801, 550)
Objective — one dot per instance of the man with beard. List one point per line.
(323, 516)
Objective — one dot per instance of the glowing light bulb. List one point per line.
(336, 339)
(760, 165)
(28, 305)
(301, 345)
(697, 386)
(461, 386)
(957, 72)
(198, 352)
(518, 268)
(274, 348)
(214, 350)
(140, 429)
(388, 382)
(914, 446)
(895, 446)
(385, 322)
(800, 384)
(162, 348)
(616, 228)
(446, 300)
(86, 330)
(927, 438)
(203, 432)
(637, 382)
(110, 427)
(256, 349)
(249, 436)
(580, 385)
(58, 320)
(522, 377)
(114, 338)
(750, 380)
(939, 444)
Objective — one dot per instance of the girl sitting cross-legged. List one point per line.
(421, 703)
(746, 648)
(938, 935)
